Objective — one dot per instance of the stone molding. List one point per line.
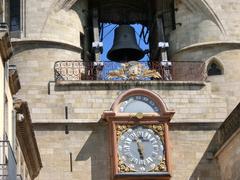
(42, 42)
(227, 130)
(65, 4)
(228, 45)
(140, 91)
(117, 85)
(204, 8)
(27, 140)
(5, 46)
(14, 82)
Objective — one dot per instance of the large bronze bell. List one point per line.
(125, 47)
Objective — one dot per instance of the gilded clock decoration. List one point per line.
(141, 148)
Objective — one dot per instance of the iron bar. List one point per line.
(70, 156)
(66, 112)
(8, 163)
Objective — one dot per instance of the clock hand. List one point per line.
(140, 149)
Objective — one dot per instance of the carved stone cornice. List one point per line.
(225, 132)
(64, 4)
(5, 46)
(27, 140)
(14, 82)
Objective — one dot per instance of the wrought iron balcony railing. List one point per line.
(8, 162)
(133, 70)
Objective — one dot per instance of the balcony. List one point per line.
(8, 162)
(130, 71)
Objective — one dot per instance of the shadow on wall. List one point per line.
(223, 160)
(235, 173)
(96, 149)
(86, 141)
(207, 168)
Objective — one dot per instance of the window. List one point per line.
(214, 69)
(14, 15)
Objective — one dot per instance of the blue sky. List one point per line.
(108, 40)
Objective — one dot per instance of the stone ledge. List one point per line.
(14, 81)
(119, 85)
(230, 44)
(65, 121)
(45, 43)
(194, 126)
(183, 126)
(5, 46)
(27, 140)
(227, 131)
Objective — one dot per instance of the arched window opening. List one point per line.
(214, 69)
(15, 15)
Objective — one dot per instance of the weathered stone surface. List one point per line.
(209, 29)
(229, 159)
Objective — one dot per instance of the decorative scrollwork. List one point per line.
(134, 70)
(123, 167)
(160, 167)
(158, 129)
(120, 129)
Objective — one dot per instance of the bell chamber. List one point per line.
(125, 47)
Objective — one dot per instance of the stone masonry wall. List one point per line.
(228, 85)
(86, 142)
(90, 155)
(205, 21)
(192, 101)
(229, 159)
(52, 21)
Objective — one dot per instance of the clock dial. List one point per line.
(140, 148)
(138, 103)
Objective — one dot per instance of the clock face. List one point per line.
(141, 149)
(139, 103)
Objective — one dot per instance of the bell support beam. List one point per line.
(157, 35)
(96, 33)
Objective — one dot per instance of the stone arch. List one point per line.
(142, 92)
(216, 63)
(203, 7)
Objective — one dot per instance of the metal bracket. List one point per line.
(97, 47)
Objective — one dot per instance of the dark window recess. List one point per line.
(214, 70)
(14, 15)
(66, 112)
(82, 44)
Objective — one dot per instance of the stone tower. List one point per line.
(66, 113)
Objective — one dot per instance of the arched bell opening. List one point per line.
(139, 31)
(157, 17)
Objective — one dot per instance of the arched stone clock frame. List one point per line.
(120, 122)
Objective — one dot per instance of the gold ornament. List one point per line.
(158, 129)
